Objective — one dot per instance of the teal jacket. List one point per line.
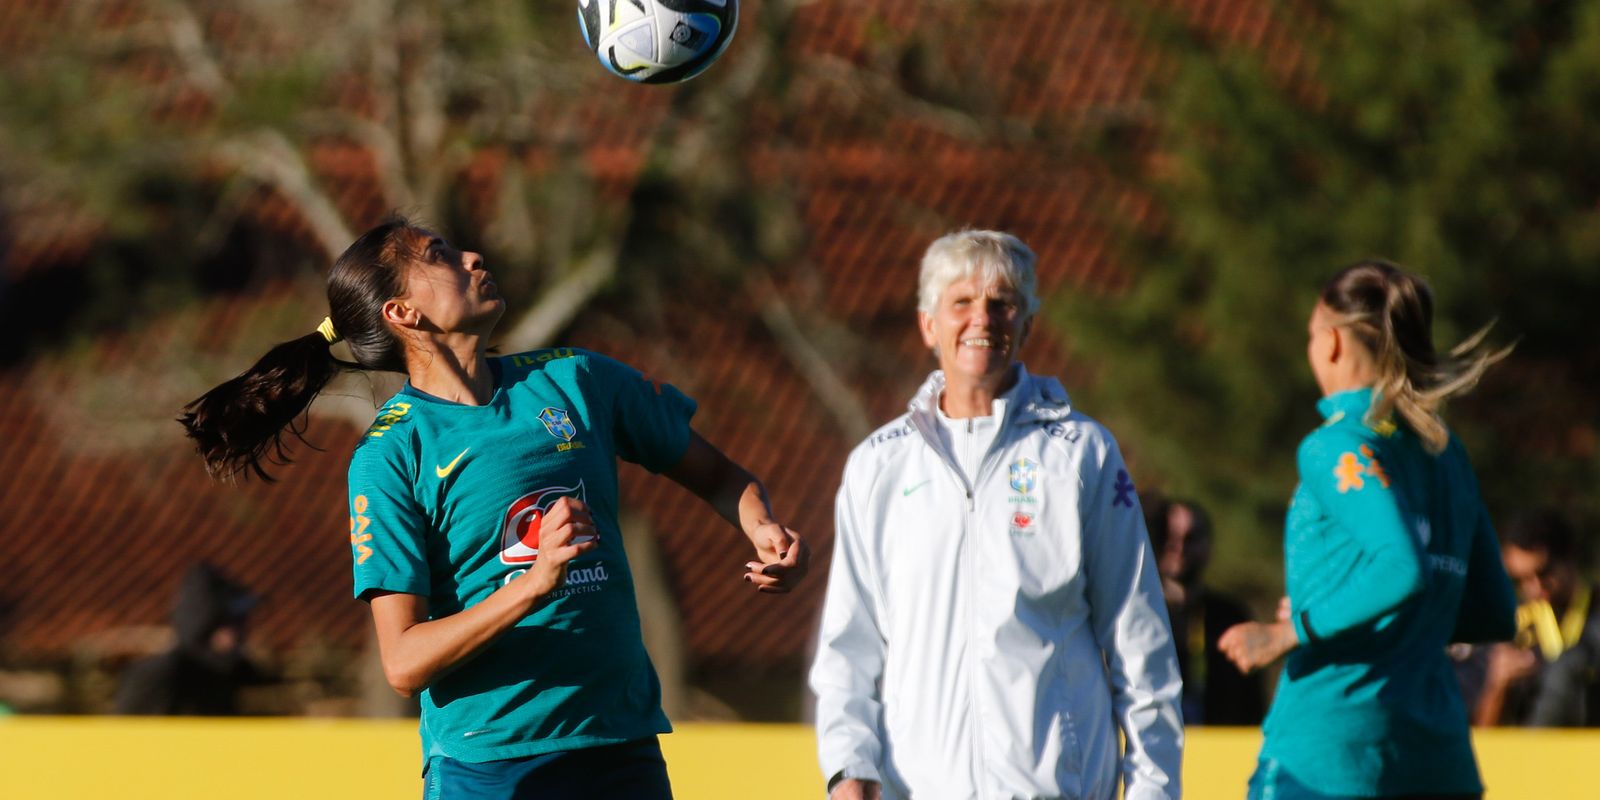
(1390, 556)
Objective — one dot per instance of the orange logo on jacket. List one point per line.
(1350, 470)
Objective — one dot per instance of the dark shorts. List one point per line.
(633, 770)
(1273, 783)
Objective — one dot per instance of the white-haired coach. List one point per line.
(993, 615)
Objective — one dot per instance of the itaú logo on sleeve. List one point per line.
(519, 533)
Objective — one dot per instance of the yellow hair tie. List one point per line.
(327, 331)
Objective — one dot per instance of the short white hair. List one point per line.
(991, 256)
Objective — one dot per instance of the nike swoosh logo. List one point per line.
(444, 471)
(906, 492)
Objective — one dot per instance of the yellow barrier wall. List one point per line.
(299, 759)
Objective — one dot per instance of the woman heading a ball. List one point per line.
(483, 520)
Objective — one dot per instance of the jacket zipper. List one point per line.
(974, 662)
(1002, 425)
(952, 462)
(979, 769)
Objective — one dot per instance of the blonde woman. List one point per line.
(1389, 556)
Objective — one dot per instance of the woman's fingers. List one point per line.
(567, 522)
(568, 552)
(567, 510)
(781, 575)
(768, 578)
(1232, 645)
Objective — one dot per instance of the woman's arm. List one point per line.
(416, 650)
(1253, 645)
(1345, 475)
(848, 669)
(1350, 484)
(1488, 611)
(1508, 666)
(782, 556)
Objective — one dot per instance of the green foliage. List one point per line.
(1457, 138)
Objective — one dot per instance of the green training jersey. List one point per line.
(446, 501)
(1390, 556)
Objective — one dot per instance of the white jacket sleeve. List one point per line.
(850, 654)
(1130, 622)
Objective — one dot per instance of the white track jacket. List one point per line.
(988, 640)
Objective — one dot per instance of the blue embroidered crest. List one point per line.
(1124, 489)
(558, 423)
(1024, 475)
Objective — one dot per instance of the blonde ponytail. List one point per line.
(1391, 313)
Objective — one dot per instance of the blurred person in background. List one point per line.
(1389, 555)
(203, 671)
(483, 520)
(1214, 691)
(994, 625)
(1550, 675)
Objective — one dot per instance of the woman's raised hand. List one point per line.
(566, 531)
(783, 557)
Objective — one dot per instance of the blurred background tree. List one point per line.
(163, 129)
(204, 151)
(1460, 139)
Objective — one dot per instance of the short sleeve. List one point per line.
(388, 529)
(650, 418)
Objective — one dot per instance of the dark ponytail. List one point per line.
(1391, 313)
(238, 427)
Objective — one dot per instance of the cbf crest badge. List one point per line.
(1024, 475)
(558, 423)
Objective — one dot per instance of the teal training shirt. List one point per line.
(1390, 556)
(445, 502)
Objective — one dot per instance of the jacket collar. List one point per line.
(1033, 399)
(1353, 404)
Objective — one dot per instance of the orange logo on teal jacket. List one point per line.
(1351, 468)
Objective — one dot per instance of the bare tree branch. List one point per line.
(826, 384)
(269, 157)
(559, 305)
(188, 42)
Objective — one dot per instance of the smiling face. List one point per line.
(448, 290)
(975, 330)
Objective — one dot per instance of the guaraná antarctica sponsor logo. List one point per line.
(580, 580)
(1023, 524)
(519, 540)
(519, 532)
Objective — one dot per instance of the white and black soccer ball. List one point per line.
(658, 41)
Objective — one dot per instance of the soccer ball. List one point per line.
(658, 41)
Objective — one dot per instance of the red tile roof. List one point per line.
(107, 505)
